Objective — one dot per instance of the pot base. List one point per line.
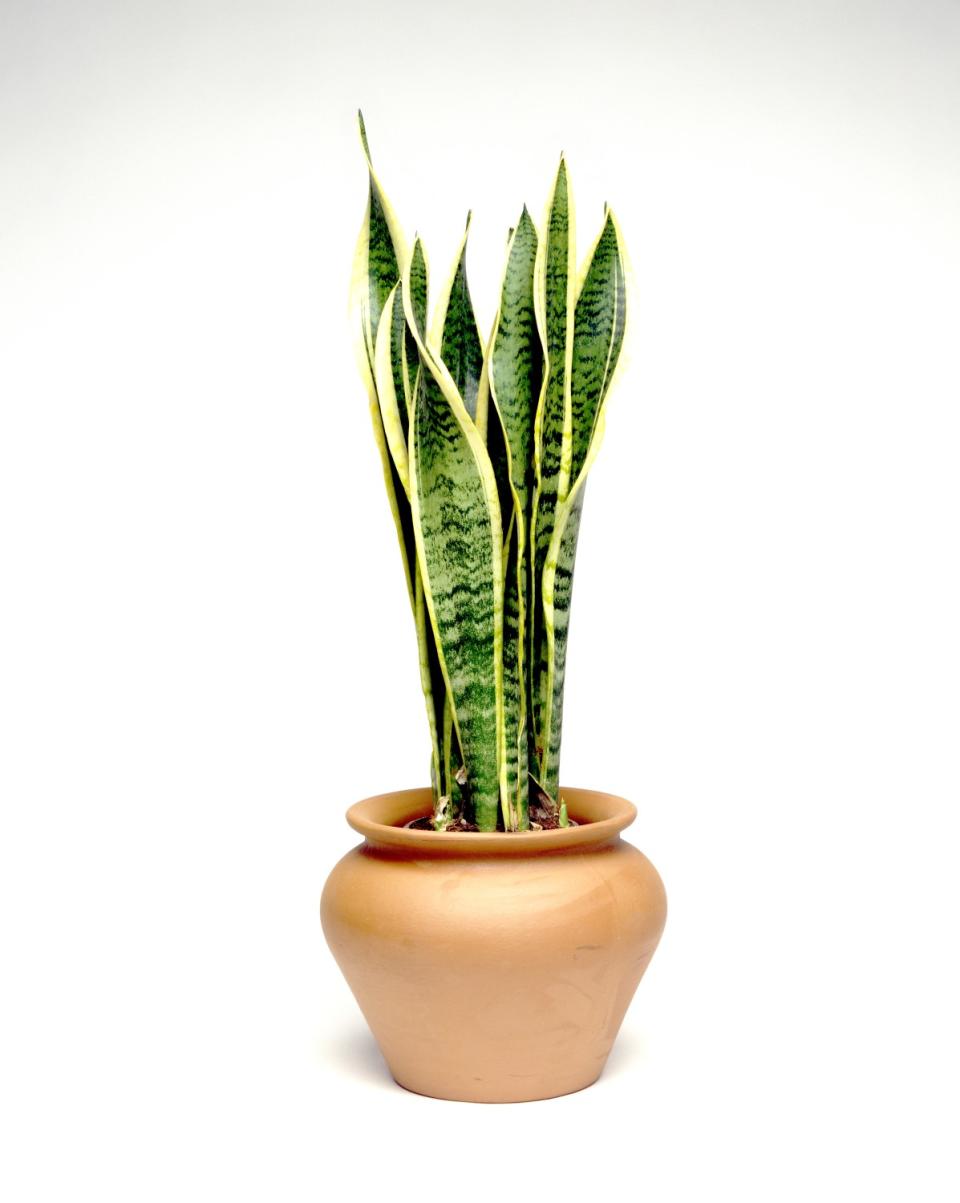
(534, 1095)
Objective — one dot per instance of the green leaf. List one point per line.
(452, 756)
(516, 359)
(460, 544)
(599, 326)
(459, 339)
(554, 296)
(557, 588)
(434, 690)
(376, 274)
(514, 370)
(380, 251)
(516, 767)
(599, 323)
(417, 285)
(389, 379)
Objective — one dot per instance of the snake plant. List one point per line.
(485, 448)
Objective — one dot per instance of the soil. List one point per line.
(426, 824)
(543, 817)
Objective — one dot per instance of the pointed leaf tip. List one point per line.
(466, 228)
(361, 125)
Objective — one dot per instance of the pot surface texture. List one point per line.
(493, 967)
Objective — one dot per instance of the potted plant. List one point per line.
(494, 926)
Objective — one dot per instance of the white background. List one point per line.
(206, 651)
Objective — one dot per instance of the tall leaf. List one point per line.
(459, 339)
(376, 275)
(554, 295)
(376, 272)
(599, 325)
(392, 388)
(417, 283)
(380, 250)
(514, 376)
(460, 545)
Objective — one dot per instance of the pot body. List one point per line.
(493, 967)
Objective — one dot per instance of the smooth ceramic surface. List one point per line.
(493, 967)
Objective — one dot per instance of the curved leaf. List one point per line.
(376, 274)
(514, 376)
(389, 378)
(459, 542)
(554, 296)
(457, 336)
(599, 327)
(599, 323)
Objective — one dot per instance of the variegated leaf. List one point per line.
(514, 369)
(380, 252)
(391, 388)
(600, 320)
(457, 338)
(460, 545)
(376, 276)
(554, 295)
(599, 323)
(417, 285)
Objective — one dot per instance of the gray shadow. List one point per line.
(354, 1052)
(628, 1053)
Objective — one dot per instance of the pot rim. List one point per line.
(379, 819)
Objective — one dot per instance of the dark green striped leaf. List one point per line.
(599, 322)
(460, 348)
(516, 359)
(381, 244)
(391, 389)
(514, 375)
(554, 297)
(434, 690)
(598, 339)
(460, 545)
(375, 278)
(557, 588)
(417, 285)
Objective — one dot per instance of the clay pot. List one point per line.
(493, 968)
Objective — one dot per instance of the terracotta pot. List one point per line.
(493, 968)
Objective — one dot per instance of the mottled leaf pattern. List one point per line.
(485, 458)
(459, 341)
(382, 248)
(375, 282)
(391, 394)
(432, 684)
(557, 586)
(460, 548)
(597, 342)
(417, 285)
(514, 372)
(554, 302)
(516, 358)
(599, 322)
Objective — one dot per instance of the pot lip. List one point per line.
(379, 819)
